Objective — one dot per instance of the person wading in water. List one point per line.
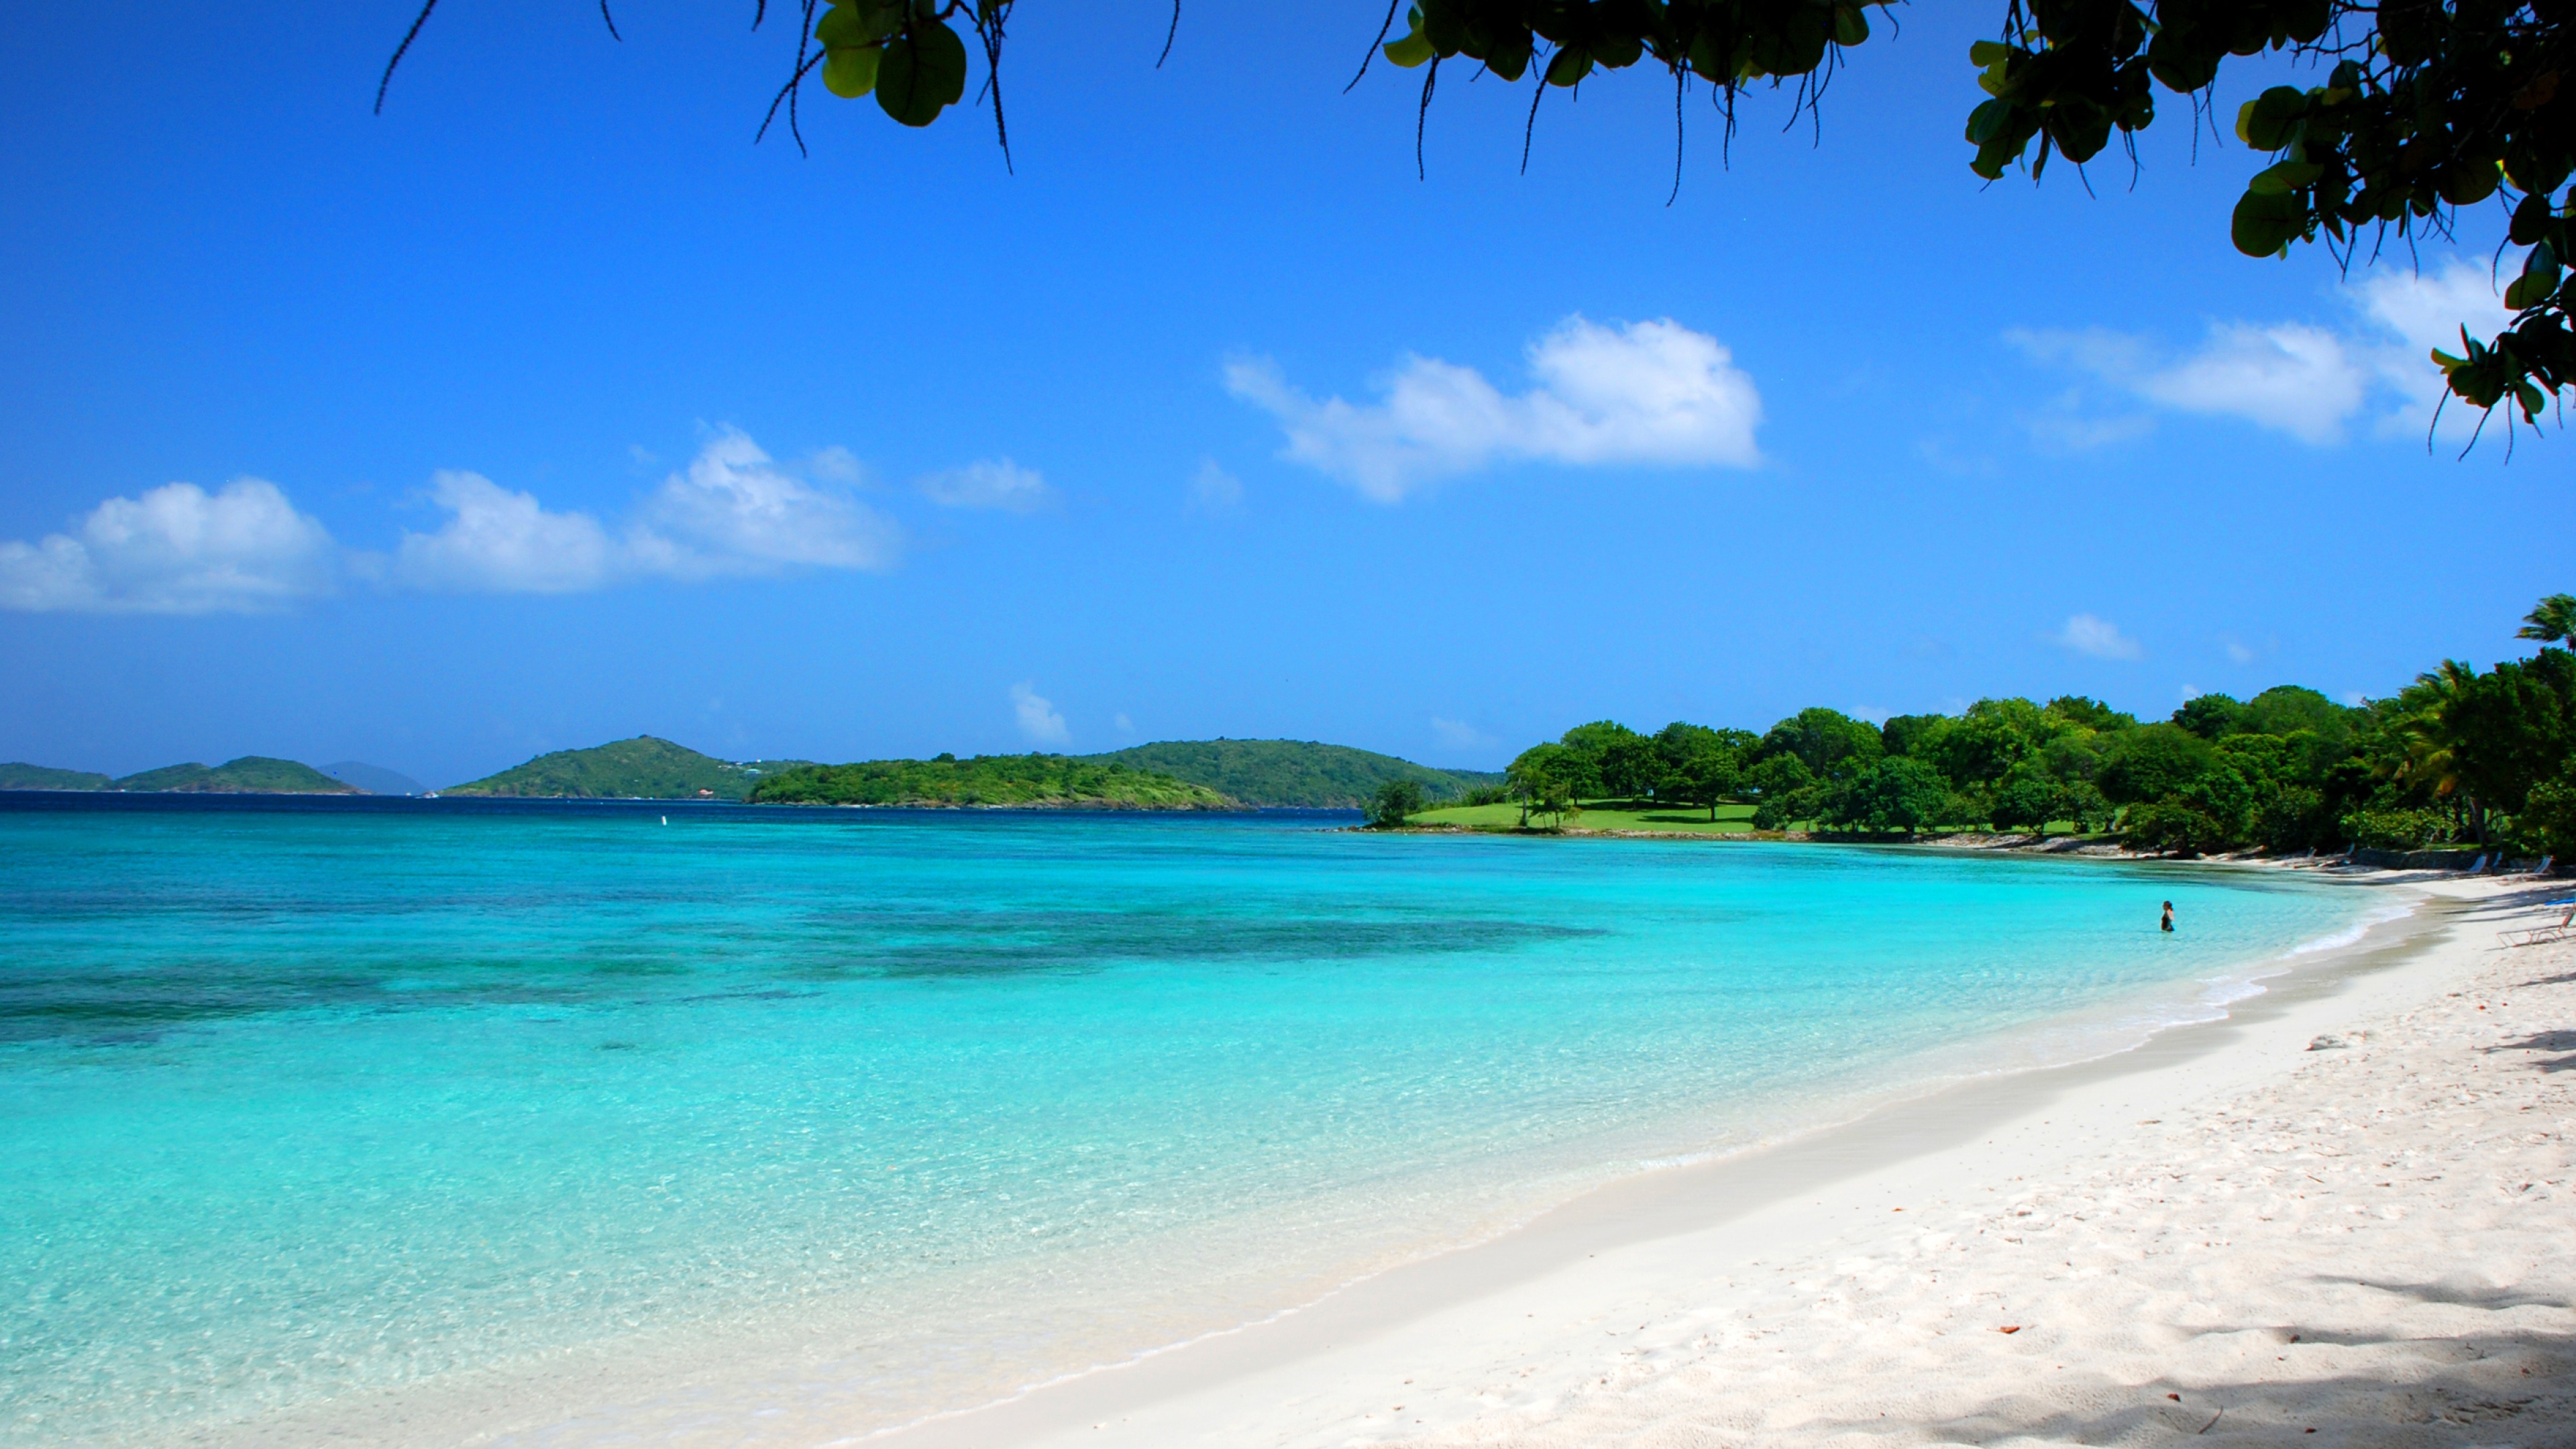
(2168, 921)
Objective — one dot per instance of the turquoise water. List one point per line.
(894, 1111)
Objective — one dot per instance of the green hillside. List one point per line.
(1292, 772)
(249, 775)
(1029, 780)
(20, 776)
(641, 768)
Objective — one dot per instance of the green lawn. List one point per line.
(1602, 815)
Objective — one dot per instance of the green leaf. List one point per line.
(843, 25)
(2270, 121)
(2533, 400)
(2446, 361)
(2531, 220)
(851, 71)
(2285, 178)
(1569, 66)
(1411, 51)
(922, 74)
(1988, 52)
(2264, 225)
(1850, 26)
(2531, 289)
(851, 23)
(2469, 182)
(1988, 119)
(1616, 52)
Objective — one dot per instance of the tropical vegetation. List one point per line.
(19, 775)
(249, 775)
(1273, 773)
(987, 780)
(643, 768)
(2459, 757)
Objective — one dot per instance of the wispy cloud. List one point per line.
(732, 512)
(2313, 383)
(1460, 735)
(991, 483)
(1214, 490)
(1647, 393)
(2068, 424)
(1038, 719)
(177, 549)
(2096, 638)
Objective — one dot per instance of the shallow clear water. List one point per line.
(911, 1107)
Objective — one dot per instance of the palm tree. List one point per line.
(2553, 621)
(2429, 735)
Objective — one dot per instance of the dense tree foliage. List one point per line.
(249, 775)
(2458, 757)
(643, 768)
(2426, 106)
(1394, 802)
(1029, 780)
(19, 775)
(1293, 772)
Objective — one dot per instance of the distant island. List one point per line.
(1173, 775)
(249, 775)
(1298, 773)
(18, 775)
(1046, 781)
(374, 779)
(1169, 775)
(643, 768)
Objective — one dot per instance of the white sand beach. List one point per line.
(2346, 1215)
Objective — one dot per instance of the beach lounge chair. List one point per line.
(2564, 929)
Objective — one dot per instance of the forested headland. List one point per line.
(643, 768)
(2461, 756)
(1267, 774)
(987, 780)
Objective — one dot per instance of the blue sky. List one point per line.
(545, 408)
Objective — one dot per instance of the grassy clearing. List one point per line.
(1602, 815)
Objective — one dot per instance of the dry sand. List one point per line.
(2347, 1215)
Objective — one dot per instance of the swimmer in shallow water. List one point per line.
(2168, 921)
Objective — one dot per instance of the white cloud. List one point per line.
(1647, 393)
(989, 483)
(2237, 652)
(836, 464)
(2069, 424)
(1871, 713)
(1038, 718)
(1125, 725)
(500, 542)
(2096, 638)
(176, 550)
(732, 512)
(1214, 490)
(2307, 381)
(1460, 735)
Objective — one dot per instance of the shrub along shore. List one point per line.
(2461, 757)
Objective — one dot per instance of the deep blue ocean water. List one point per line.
(301, 1102)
